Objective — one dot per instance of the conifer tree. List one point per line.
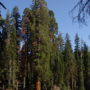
(86, 63)
(17, 19)
(70, 65)
(79, 61)
(81, 72)
(54, 62)
(11, 56)
(2, 60)
(33, 56)
(57, 63)
(40, 44)
(53, 26)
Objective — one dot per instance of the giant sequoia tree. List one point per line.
(33, 56)
(40, 43)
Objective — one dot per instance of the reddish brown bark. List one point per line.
(38, 85)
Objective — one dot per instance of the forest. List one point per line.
(35, 56)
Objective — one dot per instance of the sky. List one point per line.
(61, 9)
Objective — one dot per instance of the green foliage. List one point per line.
(40, 45)
(34, 51)
(79, 61)
(70, 65)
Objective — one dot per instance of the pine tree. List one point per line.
(77, 57)
(54, 62)
(2, 60)
(79, 61)
(17, 19)
(53, 26)
(57, 64)
(11, 53)
(77, 47)
(86, 63)
(81, 72)
(61, 64)
(70, 65)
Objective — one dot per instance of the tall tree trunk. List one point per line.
(38, 85)
(10, 69)
(24, 82)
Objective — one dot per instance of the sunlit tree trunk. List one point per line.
(38, 85)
